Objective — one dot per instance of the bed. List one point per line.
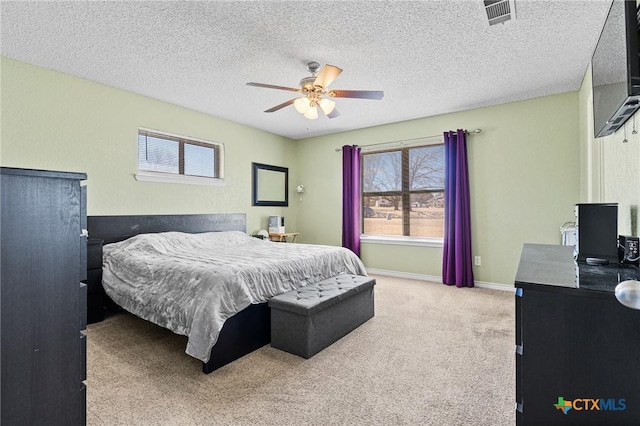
(202, 276)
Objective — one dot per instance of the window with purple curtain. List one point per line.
(351, 198)
(457, 266)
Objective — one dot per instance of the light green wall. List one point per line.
(610, 169)
(52, 120)
(524, 167)
(621, 177)
(524, 173)
(587, 191)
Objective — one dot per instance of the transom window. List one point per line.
(177, 155)
(403, 192)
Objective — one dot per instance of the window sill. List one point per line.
(402, 241)
(181, 179)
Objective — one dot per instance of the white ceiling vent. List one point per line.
(500, 11)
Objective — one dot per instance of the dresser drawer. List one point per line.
(83, 355)
(83, 306)
(83, 404)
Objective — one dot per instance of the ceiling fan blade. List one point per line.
(359, 94)
(271, 86)
(327, 74)
(282, 105)
(333, 114)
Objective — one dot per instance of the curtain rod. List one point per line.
(468, 132)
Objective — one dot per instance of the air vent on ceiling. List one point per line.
(499, 11)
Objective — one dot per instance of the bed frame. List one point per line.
(246, 331)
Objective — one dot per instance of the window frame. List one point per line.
(405, 196)
(180, 177)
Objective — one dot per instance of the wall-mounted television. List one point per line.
(615, 66)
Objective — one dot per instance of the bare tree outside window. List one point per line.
(403, 192)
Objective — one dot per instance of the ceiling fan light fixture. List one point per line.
(302, 104)
(314, 92)
(311, 113)
(327, 105)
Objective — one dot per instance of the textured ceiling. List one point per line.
(429, 57)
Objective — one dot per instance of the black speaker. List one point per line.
(597, 231)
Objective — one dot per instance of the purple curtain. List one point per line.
(351, 198)
(456, 257)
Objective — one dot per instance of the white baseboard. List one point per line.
(432, 278)
(494, 286)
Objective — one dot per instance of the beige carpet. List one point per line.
(432, 355)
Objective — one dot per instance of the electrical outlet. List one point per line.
(477, 260)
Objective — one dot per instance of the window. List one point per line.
(172, 158)
(403, 192)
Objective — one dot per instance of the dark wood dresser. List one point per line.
(577, 347)
(42, 301)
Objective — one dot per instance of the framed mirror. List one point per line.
(270, 185)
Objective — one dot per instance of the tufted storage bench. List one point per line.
(307, 320)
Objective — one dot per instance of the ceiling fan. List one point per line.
(315, 92)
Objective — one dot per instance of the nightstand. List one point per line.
(95, 301)
(282, 237)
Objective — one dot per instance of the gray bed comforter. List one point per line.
(191, 283)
